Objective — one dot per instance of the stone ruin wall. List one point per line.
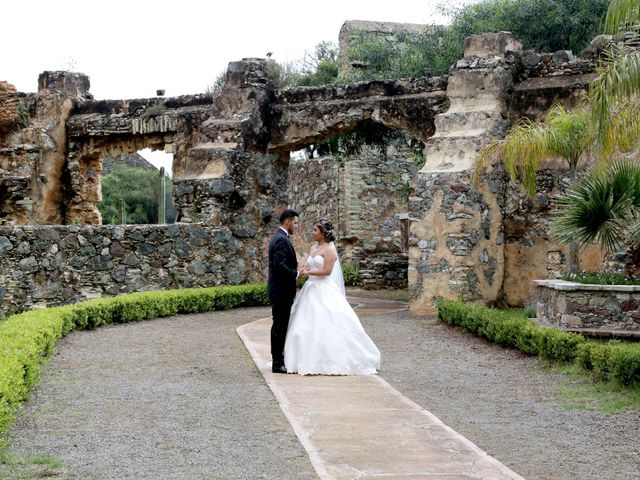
(51, 265)
(231, 155)
(488, 242)
(363, 196)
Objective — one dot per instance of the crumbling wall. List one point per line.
(364, 196)
(51, 265)
(231, 165)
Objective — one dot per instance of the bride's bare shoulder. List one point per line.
(328, 251)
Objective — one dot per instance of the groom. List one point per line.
(281, 286)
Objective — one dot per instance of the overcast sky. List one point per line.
(130, 48)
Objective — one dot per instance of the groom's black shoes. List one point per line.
(278, 368)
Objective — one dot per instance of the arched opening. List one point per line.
(362, 182)
(137, 188)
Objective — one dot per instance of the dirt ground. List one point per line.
(179, 398)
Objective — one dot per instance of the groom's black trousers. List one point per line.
(280, 310)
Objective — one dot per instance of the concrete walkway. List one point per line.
(359, 427)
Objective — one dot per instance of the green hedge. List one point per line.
(27, 339)
(608, 361)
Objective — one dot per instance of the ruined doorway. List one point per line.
(364, 190)
(137, 188)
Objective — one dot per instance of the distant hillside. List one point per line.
(133, 160)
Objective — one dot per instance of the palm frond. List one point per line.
(622, 15)
(617, 83)
(525, 147)
(603, 207)
(587, 214)
(488, 154)
(624, 128)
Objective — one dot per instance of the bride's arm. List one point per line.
(329, 261)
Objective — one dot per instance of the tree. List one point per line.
(604, 208)
(404, 54)
(564, 133)
(542, 25)
(614, 93)
(137, 187)
(317, 68)
(321, 67)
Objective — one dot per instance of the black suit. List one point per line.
(281, 286)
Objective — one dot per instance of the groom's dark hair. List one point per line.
(288, 213)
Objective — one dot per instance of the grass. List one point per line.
(28, 466)
(579, 392)
(582, 392)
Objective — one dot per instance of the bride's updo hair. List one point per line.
(326, 227)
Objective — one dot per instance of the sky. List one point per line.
(131, 48)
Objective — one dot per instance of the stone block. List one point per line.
(570, 321)
(491, 44)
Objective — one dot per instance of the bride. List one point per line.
(325, 335)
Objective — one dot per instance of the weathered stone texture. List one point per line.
(231, 162)
(363, 197)
(308, 114)
(44, 266)
(574, 305)
(458, 239)
(530, 251)
(11, 121)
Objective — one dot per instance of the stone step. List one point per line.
(453, 153)
(204, 161)
(460, 121)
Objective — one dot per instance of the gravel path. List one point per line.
(179, 398)
(174, 398)
(504, 402)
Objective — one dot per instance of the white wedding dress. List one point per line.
(325, 335)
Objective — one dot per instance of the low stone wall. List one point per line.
(384, 271)
(52, 265)
(576, 305)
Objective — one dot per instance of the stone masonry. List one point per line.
(575, 305)
(232, 151)
(51, 265)
(364, 196)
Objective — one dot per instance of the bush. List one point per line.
(601, 278)
(29, 338)
(351, 274)
(607, 361)
(611, 361)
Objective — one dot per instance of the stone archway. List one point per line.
(366, 195)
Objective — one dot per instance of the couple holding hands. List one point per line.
(317, 333)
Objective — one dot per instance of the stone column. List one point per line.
(223, 173)
(57, 94)
(458, 240)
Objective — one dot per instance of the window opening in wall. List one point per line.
(136, 189)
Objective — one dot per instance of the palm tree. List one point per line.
(614, 92)
(564, 133)
(604, 208)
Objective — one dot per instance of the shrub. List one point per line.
(601, 278)
(351, 274)
(607, 361)
(29, 338)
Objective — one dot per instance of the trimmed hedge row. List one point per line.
(606, 360)
(28, 339)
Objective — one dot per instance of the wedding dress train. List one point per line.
(325, 335)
